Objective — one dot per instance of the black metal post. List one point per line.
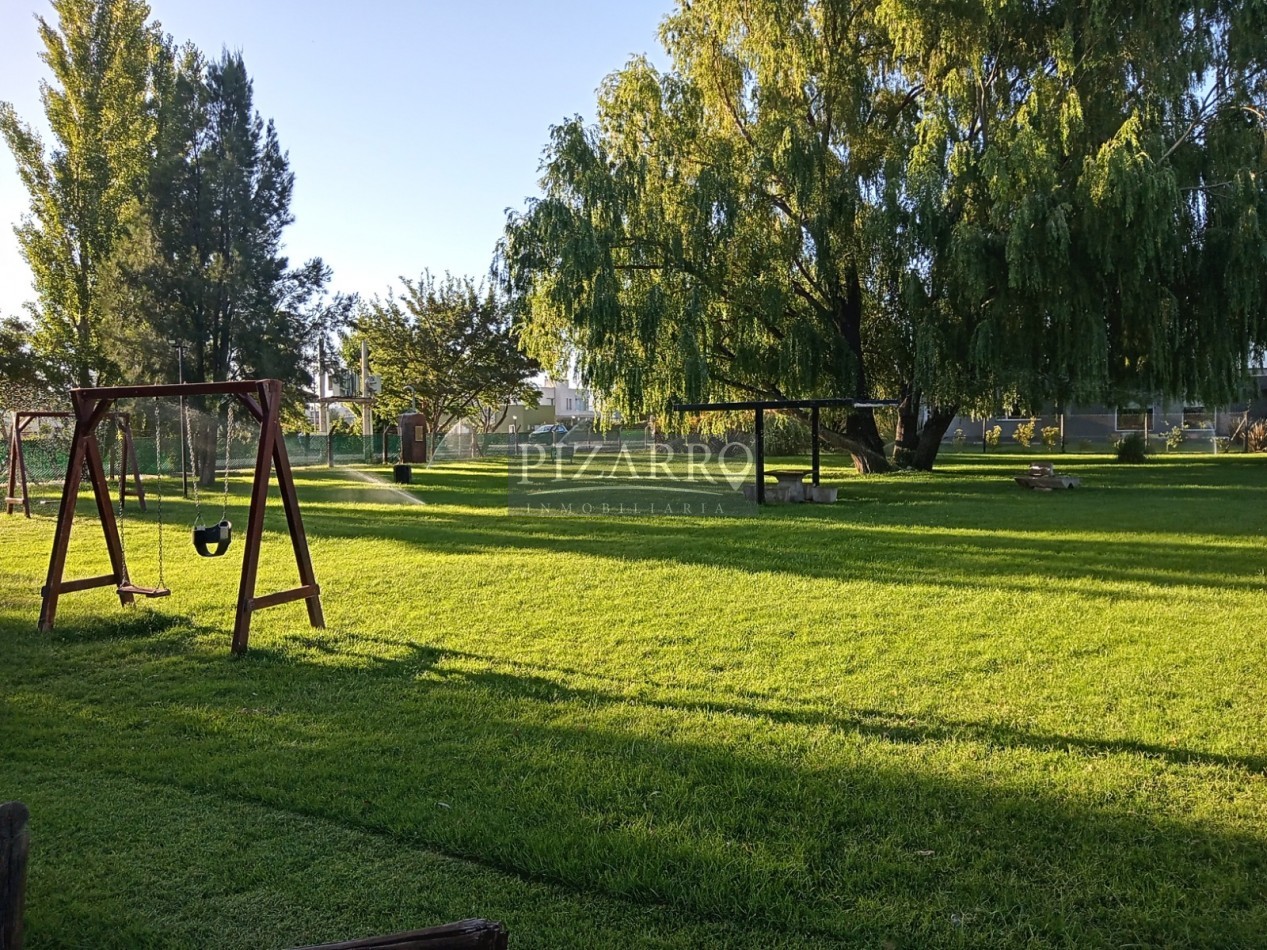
(813, 416)
(760, 437)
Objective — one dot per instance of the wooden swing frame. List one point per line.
(262, 399)
(19, 493)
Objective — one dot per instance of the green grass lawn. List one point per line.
(943, 712)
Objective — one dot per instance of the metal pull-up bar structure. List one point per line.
(760, 406)
(262, 399)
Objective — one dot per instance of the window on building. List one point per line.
(569, 405)
(1196, 417)
(1134, 419)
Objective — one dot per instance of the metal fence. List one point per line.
(47, 454)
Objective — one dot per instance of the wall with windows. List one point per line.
(560, 402)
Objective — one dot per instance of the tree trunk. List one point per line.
(861, 436)
(207, 449)
(867, 459)
(206, 459)
(931, 435)
(862, 441)
(906, 443)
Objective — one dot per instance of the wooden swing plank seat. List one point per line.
(262, 399)
(139, 591)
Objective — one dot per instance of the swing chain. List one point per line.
(228, 448)
(158, 479)
(193, 467)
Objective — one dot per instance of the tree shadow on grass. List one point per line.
(934, 556)
(862, 827)
(886, 725)
(121, 624)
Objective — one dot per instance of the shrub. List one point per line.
(1024, 434)
(1175, 438)
(993, 436)
(1256, 437)
(787, 435)
(1132, 449)
(960, 438)
(1051, 436)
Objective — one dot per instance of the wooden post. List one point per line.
(15, 846)
(61, 535)
(295, 523)
(101, 494)
(17, 469)
(760, 437)
(266, 406)
(269, 404)
(813, 415)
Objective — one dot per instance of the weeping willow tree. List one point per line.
(945, 204)
(1087, 195)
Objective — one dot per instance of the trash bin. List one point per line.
(402, 474)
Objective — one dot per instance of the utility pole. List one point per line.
(323, 422)
(367, 416)
(179, 347)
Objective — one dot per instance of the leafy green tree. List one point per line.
(1085, 197)
(203, 263)
(97, 107)
(446, 347)
(945, 204)
(23, 377)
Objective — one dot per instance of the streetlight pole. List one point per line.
(184, 449)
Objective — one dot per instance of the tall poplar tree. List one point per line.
(99, 53)
(945, 204)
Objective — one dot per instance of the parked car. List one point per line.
(548, 433)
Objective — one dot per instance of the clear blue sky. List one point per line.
(411, 126)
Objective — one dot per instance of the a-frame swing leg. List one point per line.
(272, 449)
(295, 524)
(84, 448)
(17, 470)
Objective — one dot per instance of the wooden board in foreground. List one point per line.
(15, 843)
(473, 934)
